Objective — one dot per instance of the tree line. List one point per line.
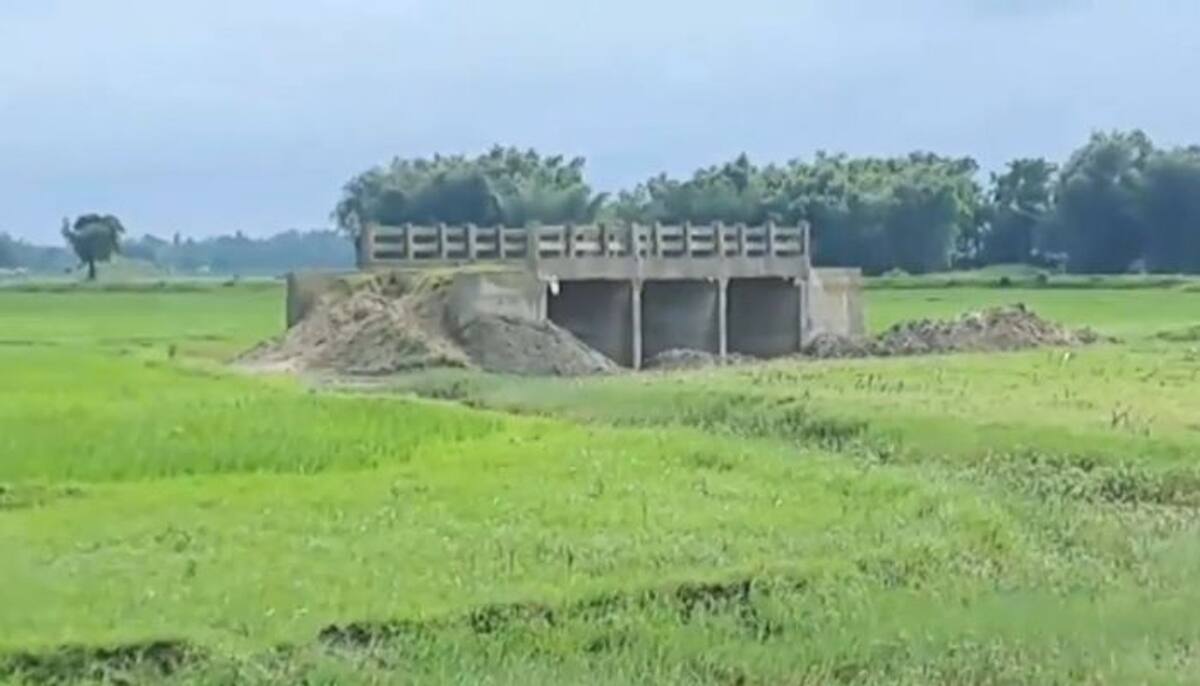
(244, 255)
(93, 239)
(1118, 203)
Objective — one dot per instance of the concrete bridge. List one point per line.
(634, 291)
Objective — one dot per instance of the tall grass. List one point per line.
(214, 323)
(82, 416)
(1023, 518)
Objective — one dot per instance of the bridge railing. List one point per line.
(382, 246)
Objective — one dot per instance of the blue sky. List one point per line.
(207, 116)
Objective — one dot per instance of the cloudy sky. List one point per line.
(208, 116)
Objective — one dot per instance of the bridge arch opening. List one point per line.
(765, 316)
(599, 313)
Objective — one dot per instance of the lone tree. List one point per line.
(94, 238)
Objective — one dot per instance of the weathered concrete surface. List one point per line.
(599, 313)
(646, 269)
(680, 314)
(514, 293)
(835, 303)
(599, 251)
(764, 317)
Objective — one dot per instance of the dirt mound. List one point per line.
(386, 327)
(520, 346)
(990, 330)
(832, 346)
(366, 333)
(687, 358)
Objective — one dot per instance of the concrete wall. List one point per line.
(515, 293)
(600, 313)
(835, 303)
(645, 269)
(764, 317)
(680, 314)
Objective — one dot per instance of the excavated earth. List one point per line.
(990, 330)
(388, 327)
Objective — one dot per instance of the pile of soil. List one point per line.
(991, 330)
(386, 328)
(832, 346)
(521, 346)
(365, 333)
(687, 358)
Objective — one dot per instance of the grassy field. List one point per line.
(1015, 518)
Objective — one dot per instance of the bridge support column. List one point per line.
(635, 323)
(723, 318)
(805, 315)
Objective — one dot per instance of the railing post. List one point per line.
(687, 240)
(409, 242)
(443, 244)
(472, 246)
(533, 247)
(656, 239)
(770, 247)
(569, 240)
(741, 240)
(366, 245)
(500, 243)
(719, 239)
(602, 232)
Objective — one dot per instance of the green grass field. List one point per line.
(1013, 518)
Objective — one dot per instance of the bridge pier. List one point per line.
(723, 318)
(635, 318)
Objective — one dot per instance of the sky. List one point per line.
(211, 116)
